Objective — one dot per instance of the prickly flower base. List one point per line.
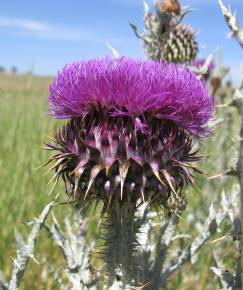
(114, 161)
(123, 164)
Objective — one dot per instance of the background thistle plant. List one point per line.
(164, 36)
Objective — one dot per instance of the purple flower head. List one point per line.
(140, 90)
(130, 133)
(128, 141)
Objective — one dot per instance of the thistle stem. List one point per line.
(121, 244)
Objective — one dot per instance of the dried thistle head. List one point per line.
(171, 7)
(130, 133)
(165, 38)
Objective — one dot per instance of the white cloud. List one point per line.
(18, 27)
(24, 24)
(26, 27)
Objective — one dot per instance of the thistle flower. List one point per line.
(128, 140)
(130, 131)
(180, 46)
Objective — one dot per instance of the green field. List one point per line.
(24, 191)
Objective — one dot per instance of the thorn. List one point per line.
(54, 185)
(123, 170)
(156, 173)
(220, 239)
(216, 176)
(79, 169)
(99, 223)
(109, 202)
(142, 193)
(55, 165)
(180, 217)
(94, 173)
(49, 137)
(55, 176)
(77, 179)
(168, 179)
(145, 6)
(114, 52)
(34, 259)
(43, 165)
(142, 188)
(143, 286)
(195, 186)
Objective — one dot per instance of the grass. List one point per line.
(24, 125)
(24, 191)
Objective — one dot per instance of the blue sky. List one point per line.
(45, 35)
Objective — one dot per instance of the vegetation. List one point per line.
(24, 190)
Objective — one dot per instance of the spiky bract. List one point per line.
(115, 161)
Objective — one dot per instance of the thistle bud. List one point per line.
(181, 46)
